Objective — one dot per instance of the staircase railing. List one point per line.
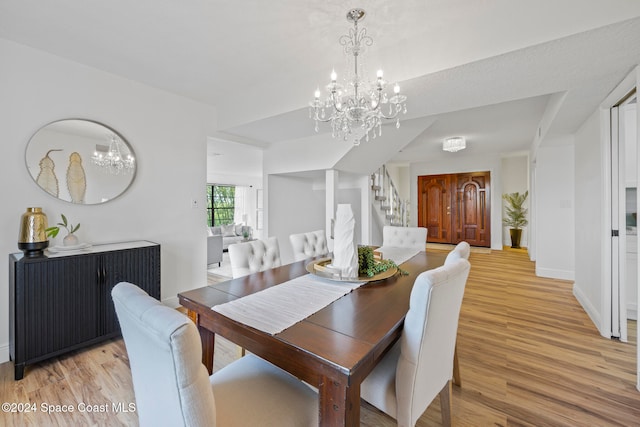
(395, 210)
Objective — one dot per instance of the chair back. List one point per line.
(404, 237)
(254, 256)
(309, 245)
(428, 340)
(462, 250)
(170, 382)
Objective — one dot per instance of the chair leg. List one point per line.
(445, 404)
(456, 368)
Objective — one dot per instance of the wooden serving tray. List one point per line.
(320, 268)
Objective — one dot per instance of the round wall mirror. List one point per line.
(80, 161)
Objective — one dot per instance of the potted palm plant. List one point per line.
(515, 215)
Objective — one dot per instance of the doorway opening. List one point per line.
(624, 208)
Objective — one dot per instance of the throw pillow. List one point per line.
(217, 230)
(228, 230)
(239, 229)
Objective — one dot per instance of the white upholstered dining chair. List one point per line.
(419, 366)
(308, 245)
(404, 237)
(251, 257)
(173, 388)
(462, 250)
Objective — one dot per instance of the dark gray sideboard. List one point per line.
(62, 301)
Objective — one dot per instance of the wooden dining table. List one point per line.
(334, 349)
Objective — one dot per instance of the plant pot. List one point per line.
(70, 240)
(515, 237)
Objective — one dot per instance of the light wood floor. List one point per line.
(529, 356)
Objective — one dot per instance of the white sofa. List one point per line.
(214, 249)
(232, 233)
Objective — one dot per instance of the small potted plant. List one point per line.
(70, 239)
(515, 215)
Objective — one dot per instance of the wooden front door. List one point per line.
(456, 207)
(434, 207)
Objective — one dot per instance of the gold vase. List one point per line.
(32, 238)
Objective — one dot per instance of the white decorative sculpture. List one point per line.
(345, 254)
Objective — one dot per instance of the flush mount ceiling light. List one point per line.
(454, 144)
(354, 105)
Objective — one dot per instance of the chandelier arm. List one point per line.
(317, 118)
(393, 116)
(335, 104)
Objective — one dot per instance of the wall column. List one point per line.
(365, 209)
(331, 184)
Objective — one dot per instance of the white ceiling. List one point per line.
(484, 70)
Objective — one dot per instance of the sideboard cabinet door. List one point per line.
(63, 302)
(61, 297)
(140, 267)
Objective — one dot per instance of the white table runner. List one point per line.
(397, 254)
(276, 308)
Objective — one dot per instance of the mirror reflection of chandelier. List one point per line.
(356, 108)
(117, 159)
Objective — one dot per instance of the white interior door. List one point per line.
(618, 231)
(624, 203)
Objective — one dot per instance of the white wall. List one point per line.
(400, 176)
(234, 163)
(295, 205)
(319, 152)
(515, 178)
(167, 132)
(589, 221)
(459, 164)
(555, 212)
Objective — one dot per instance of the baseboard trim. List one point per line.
(555, 274)
(591, 311)
(4, 353)
(448, 247)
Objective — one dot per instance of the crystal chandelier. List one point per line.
(113, 160)
(454, 144)
(355, 108)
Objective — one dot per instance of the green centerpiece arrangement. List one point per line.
(369, 266)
